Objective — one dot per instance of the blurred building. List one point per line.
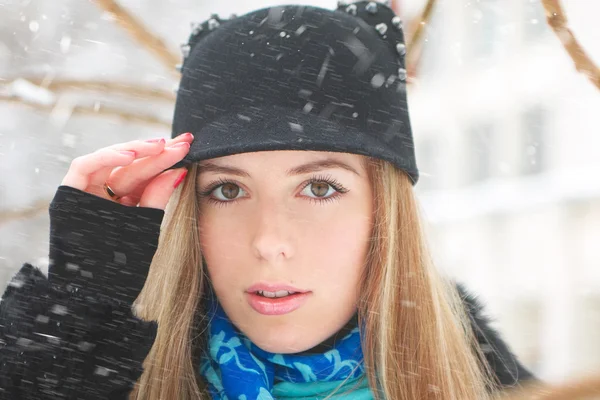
(507, 139)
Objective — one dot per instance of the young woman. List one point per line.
(290, 263)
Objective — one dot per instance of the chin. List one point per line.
(282, 340)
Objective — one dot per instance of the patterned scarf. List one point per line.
(238, 369)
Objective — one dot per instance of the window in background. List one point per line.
(479, 152)
(525, 320)
(483, 21)
(587, 323)
(533, 125)
(433, 44)
(534, 20)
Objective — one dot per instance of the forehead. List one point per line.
(282, 154)
(286, 159)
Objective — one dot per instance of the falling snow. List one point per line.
(506, 137)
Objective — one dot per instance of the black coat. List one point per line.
(72, 335)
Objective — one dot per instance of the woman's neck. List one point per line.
(331, 342)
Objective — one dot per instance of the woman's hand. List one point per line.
(132, 170)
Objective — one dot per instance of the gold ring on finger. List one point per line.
(111, 193)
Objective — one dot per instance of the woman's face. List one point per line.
(286, 220)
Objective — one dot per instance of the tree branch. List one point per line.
(29, 212)
(414, 47)
(100, 86)
(136, 29)
(95, 111)
(557, 20)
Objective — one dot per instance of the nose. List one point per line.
(273, 232)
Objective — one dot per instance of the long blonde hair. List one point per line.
(418, 342)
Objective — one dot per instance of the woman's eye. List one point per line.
(229, 191)
(319, 189)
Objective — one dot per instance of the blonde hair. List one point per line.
(418, 342)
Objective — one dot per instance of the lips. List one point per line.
(276, 299)
(274, 287)
(279, 293)
(277, 305)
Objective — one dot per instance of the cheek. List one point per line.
(220, 229)
(339, 250)
(217, 243)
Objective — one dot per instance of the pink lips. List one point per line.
(276, 306)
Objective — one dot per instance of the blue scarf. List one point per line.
(238, 369)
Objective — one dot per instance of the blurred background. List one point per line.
(507, 135)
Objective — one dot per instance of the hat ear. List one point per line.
(378, 14)
(384, 21)
(199, 30)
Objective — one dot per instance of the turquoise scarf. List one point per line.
(235, 368)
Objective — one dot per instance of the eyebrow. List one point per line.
(314, 166)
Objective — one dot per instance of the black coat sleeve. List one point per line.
(508, 369)
(72, 335)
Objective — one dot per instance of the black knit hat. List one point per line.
(295, 77)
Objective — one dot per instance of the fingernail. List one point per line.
(180, 179)
(128, 153)
(188, 135)
(181, 144)
(157, 140)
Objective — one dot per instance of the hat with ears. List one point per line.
(295, 77)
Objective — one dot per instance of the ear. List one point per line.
(381, 18)
(198, 31)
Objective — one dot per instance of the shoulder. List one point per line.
(504, 363)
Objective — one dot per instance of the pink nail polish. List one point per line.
(181, 144)
(128, 153)
(180, 179)
(157, 140)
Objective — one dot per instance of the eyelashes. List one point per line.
(333, 183)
